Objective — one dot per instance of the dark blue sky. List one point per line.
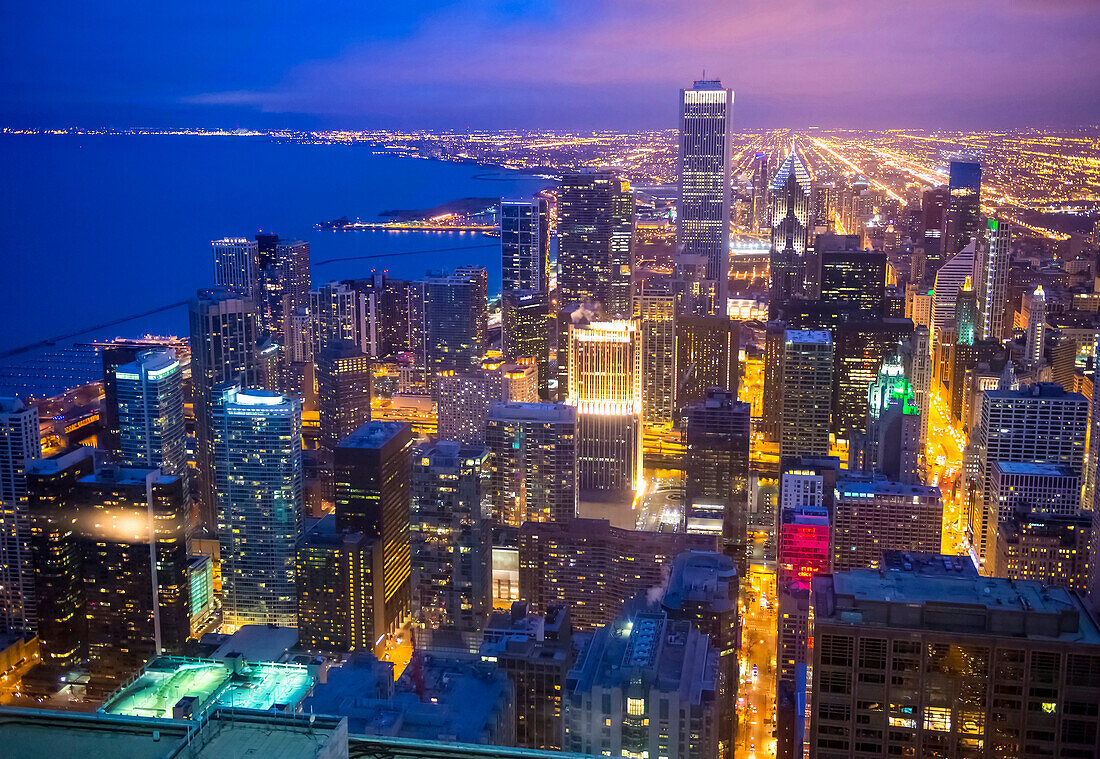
(581, 64)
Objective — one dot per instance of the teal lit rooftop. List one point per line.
(177, 687)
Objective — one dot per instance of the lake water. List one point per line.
(100, 227)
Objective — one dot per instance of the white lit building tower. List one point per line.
(993, 280)
(19, 443)
(791, 219)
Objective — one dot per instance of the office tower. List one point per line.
(525, 244)
(656, 306)
(605, 385)
(950, 277)
(536, 652)
(259, 490)
(236, 265)
(963, 204)
(371, 475)
(455, 321)
(1045, 547)
(465, 397)
(702, 589)
(112, 356)
(918, 306)
(534, 460)
(716, 471)
(1039, 488)
(860, 347)
(595, 228)
(339, 316)
(966, 314)
(526, 329)
(807, 382)
(62, 626)
(992, 273)
(224, 333)
(336, 573)
(593, 568)
(933, 217)
(283, 282)
(706, 356)
(761, 181)
(790, 225)
(1036, 424)
(150, 413)
(450, 537)
(803, 533)
(892, 444)
(1036, 328)
(653, 681)
(703, 211)
(952, 665)
(343, 391)
(873, 514)
(849, 275)
(920, 369)
(135, 607)
(19, 444)
(775, 338)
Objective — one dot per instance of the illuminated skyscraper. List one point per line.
(283, 282)
(807, 393)
(859, 348)
(605, 385)
(790, 229)
(595, 256)
(775, 337)
(525, 244)
(963, 205)
(339, 313)
(850, 277)
(237, 265)
(465, 397)
(1036, 327)
(455, 321)
(950, 277)
(873, 514)
(150, 413)
(703, 213)
(526, 332)
(706, 356)
(656, 306)
(992, 273)
(761, 182)
(19, 444)
(803, 537)
(258, 485)
(343, 391)
(933, 217)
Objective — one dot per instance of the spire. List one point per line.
(792, 164)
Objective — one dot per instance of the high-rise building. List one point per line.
(283, 282)
(933, 217)
(237, 265)
(873, 514)
(465, 397)
(992, 273)
(455, 321)
(761, 183)
(344, 376)
(605, 385)
(949, 278)
(775, 338)
(1041, 488)
(860, 346)
(807, 382)
(644, 685)
(20, 443)
(916, 663)
(336, 575)
(534, 460)
(371, 478)
(703, 212)
(963, 204)
(850, 276)
(891, 445)
(920, 371)
(706, 356)
(260, 503)
(525, 244)
(450, 537)
(339, 314)
(1036, 331)
(596, 226)
(716, 471)
(224, 334)
(593, 568)
(656, 307)
(150, 413)
(803, 533)
(790, 229)
(1045, 547)
(526, 326)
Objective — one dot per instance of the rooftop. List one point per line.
(552, 413)
(862, 487)
(1036, 390)
(702, 577)
(804, 336)
(259, 643)
(1046, 470)
(929, 564)
(115, 475)
(375, 434)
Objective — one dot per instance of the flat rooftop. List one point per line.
(821, 337)
(555, 413)
(857, 488)
(374, 434)
(1045, 470)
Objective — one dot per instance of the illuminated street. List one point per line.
(756, 696)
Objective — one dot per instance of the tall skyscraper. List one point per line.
(595, 227)
(224, 331)
(775, 339)
(703, 213)
(150, 413)
(716, 473)
(283, 282)
(859, 347)
(950, 277)
(849, 276)
(237, 265)
(933, 217)
(920, 371)
(992, 273)
(455, 321)
(465, 397)
(790, 230)
(807, 393)
(525, 244)
(371, 476)
(343, 391)
(526, 330)
(963, 204)
(339, 314)
(706, 356)
(656, 307)
(534, 460)
(260, 503)
(605, 385)
(19, 444)
(1036, 333)
(761, 183)
(873, 514)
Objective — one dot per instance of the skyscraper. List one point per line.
(465, 397)
(237, 265)
(656, 307)
(526, 332)
(260, 503)
(343, 391)
(1036, 328)
(525, 244)
(992, 273)
(761, 182)
(706, 356)
(963, 204)
(19, 444)
(595, 227)
(534, 462)
(859, 347)
(933, 216)
(790, 230)
(283, 282)
(716, 471)
(807, 393)
(873, 514)
(849, 276)
(775, 337)
(339, 314)
(371, 475)
(150, 413)
(950, 277)
(455, 321)
(605, 385)
(703, 212)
